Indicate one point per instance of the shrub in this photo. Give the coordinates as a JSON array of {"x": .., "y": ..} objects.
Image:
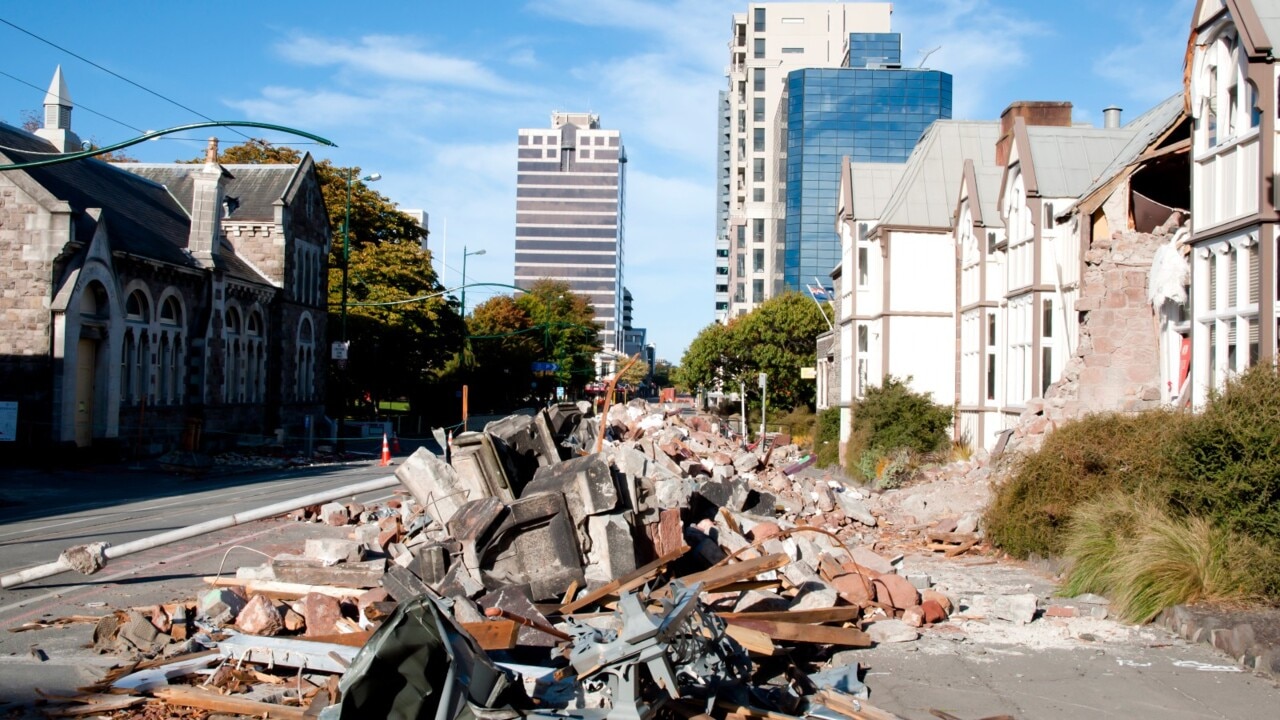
[
  {"x": 826, "y": 441},
  {"x": 1228, "y": 457},
  {"x": 893, "y": 417},
  {"x": 1078, "y": 462},
  {"x": 1145, "y": 559},
  {"x": 800, "y": 423}
]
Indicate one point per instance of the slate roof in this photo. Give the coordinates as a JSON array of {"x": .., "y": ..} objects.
[
  {"x": 926, "y": 194},
  {"x": 256, "y": 187},
  {"x": 143, "y": 218},
  {"x": 873, "y": 184}
]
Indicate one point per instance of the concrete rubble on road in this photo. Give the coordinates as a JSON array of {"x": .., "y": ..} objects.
[{"x": 530, "y": 575}]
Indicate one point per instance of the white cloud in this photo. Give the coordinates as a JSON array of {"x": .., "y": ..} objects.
[
  {"x": 1146, "y": 65},
  {"x": 982, "y": 45},
  {"x": 395, "y": 58}
]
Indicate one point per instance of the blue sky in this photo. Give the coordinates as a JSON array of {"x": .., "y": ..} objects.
[{"x": 430, "y": 93}]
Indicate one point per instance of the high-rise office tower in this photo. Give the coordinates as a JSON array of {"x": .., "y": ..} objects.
[
  {"x": 768, "y": 41},
  {"x": 570, "y": 214},
  {"x": 871, "y": 110}
]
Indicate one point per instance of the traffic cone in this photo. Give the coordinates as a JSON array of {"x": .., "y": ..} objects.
[
  {"x": 386, "y": 452},
  {"x": 395, "y": 444}
]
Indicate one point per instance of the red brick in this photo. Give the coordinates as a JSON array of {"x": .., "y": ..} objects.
[
  {"x": 321, "y": 613},
  {"x": 260, "y": 617}
]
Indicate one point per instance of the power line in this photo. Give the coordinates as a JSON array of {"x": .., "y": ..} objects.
[
  {"x": 82, "y": 107},
  {"x": 52, "y": 44}
]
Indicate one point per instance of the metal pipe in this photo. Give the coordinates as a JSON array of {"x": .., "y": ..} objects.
[{"x": 114, "y": 551}]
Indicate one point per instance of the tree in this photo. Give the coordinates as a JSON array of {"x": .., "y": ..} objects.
[
  {"x": 504, "y": 343},
  {"x": 777, "y": 338},
  {"x": 396, "y": 346},
  {"x": 635, "y": 374},
  {"x": 570, "y": 337},
  {"x": 662, "y": 373}
]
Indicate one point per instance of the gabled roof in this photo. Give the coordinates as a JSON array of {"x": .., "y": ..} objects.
[
  {"x": 1067, "y": 160},
  {"x": 984, "y": 189},
  {"x": 925, "y": 196},
  {"x": 872, "y": 185},
  {"x": 255, "y": 187},
  {"x": 143, "y": 217}
]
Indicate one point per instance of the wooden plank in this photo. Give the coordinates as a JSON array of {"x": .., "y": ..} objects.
[
  {"x": 364, "y": 574},
  {"x": 750, "y": 585},
  {"x": 355, "y": 639},
  {"x": 753, "y": 640},
  {"x": 631, "y": 580},
  {"x": 852, "y": 707},
  {"x": 183, "y": 696},
  {"x": 821, "y": 615},
  {"x": 499, "y": 634},
  {"x": 954, "y": 538},
  {"x": 800, "y": 632},
  {"x": 95, "y": 704},
  {"x": 159, "y": 676},
  {"x": 718, "y": 577},
  {"x": 278, "y": 589}
]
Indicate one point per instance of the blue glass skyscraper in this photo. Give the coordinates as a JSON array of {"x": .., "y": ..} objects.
[{"x": 872, "y": 110}]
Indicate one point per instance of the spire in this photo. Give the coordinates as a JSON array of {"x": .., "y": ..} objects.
[
  {"x": 57, "y": 116},
  {"x": 58, "y": 94}
]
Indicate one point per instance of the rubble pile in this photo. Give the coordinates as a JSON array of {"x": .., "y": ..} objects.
[{"x": 629, "y": 565}]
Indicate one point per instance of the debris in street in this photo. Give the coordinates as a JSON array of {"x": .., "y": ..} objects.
[{"x": 534, "y": 577}]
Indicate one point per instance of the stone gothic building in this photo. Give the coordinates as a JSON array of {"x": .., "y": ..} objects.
[{"x": 149, "y": 307}]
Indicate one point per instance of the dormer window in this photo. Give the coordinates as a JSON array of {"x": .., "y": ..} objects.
[{"x": 229, "y": 206}]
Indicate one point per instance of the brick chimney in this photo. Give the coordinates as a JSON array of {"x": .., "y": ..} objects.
[
  {"x": 206, "y": 207},
  {"x": 1034, "y": 112}
]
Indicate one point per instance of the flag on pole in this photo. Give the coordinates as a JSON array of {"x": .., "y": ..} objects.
[{"x": 819, "y": 293}]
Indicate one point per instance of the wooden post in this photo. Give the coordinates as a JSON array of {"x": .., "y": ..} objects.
[{"x": 464, "y": 408}]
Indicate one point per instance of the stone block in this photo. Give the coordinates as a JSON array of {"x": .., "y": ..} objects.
[
  {"x": 814, "y": 594},
  {"x": 138, "y": 632},
  {"x": 586, "y": 483},
  {"x": 1020, "y": 609},
  {"x": 533, "y": 544},
  {"x": 746, "y": 462},
  {"x": 333, "y": 550},
  {"x": 757, "y": 601},
  {"x": 260, "y": 617},
  {"x": 854, "y": 508},
  {"x": 612, "y": 552},
  {"x": 334, "y": 514},
  {"x": 436, "y": 486},
  {"x": 854, "y": 588},
  {"x": 913, "y": 616},
  {"x": 933, "y": 596},
  {"x": 869, "y": 559},
  {"x": 221, "y": 605},
  {"x": 731, "y": 494},
  {"x": 933, "y": 612},
  {"x": 891, "y": 631},
  {"x": 479, "y": 460},
  {"x": 321, "y": 614},
  {"x": 896, "y": 591}
]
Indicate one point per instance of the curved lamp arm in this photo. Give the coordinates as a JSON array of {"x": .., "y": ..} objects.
[{"x": 68, "y": 157}]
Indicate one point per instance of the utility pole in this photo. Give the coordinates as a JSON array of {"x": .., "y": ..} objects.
[
  {"x": 764, "y": 400},
  {"x": 742, "y": 399}
]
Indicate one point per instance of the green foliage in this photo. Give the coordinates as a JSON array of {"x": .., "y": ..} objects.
[
  {"x": 570, "y": 337},
  {"x": 398, "y": 347},
  {"x": 1079, "y": 461},
  {"x": 1145, "y": 559},
  {"x": 892, "y": 417},
  {"x": 800, "y": 423},
  {"x": 777, "y": 338},
  {"x": 663, "y": 372},
  {"x": 826, "y": 442},
  {"x": 1228, "y": 457}
]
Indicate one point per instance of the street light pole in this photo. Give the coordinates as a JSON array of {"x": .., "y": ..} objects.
[
  {"x": 464, "y": 276},
  {"x": 346, "y": 243}
]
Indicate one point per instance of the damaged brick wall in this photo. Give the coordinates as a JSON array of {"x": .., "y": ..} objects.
[{"x": 1115, "y": 366}]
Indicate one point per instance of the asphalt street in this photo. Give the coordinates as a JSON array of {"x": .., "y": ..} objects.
[{"x": 44, "y": 513}]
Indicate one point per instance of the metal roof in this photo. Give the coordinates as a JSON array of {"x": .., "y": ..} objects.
[
  {"x": 989, "y": 178},
  {"x": 872, "y": 184},
  {"x": 1068, "y": 159},
  {"x": 926, "y": 193}
]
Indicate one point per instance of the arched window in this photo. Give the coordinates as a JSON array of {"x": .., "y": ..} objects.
[
  {"x": 136, "y": 366},
  {"x": 172, "y": 336},
  {"x": 255, "y": 358},
  {"x": 233, "y": 387},
  {"x": 306, "y": 353}
]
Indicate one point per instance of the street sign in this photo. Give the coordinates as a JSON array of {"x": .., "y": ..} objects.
[
  {"x": 763, "y": 381},
  {"x": 339, "y": 349},
  {"x": 544, "y": 366}
]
